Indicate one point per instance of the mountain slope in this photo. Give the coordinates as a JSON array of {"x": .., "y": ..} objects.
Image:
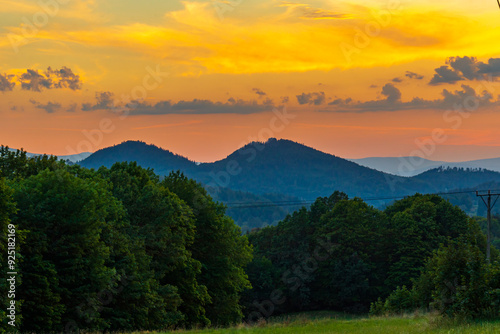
[
  {"x": 402, "y": 166},
  {"x": 289, "y": 168},
  {"x": 148, "y": 156},
  {"x": 71, "y": 157},
  {"x": 411, "y": 166}
]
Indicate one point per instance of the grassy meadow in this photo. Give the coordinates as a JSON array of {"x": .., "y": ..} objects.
[{"x": 325, "y": 322}]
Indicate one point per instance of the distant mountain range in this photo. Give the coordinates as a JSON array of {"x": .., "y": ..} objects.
[
  {"x": 72, "y": 157},
  {"x": 288, "y": 174},
  {"x": 411, "y": 166},
  {"x": 286, "y": 167}
]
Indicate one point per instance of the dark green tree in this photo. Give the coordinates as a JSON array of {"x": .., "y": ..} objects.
[
  {"x": 7, "y": 211},
  {"x": 64, "y": 257},
  {"x": 164, "y": 225},
  {"x": 220, "y": 248}
]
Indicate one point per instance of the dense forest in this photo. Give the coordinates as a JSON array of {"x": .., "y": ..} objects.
[
  {"x": 121, "y": 248},
  {"x": 290, "y": 168},
  {"x": 117, "y": 249},
  {"x": 342, "y": 254},
  {"x": 282, "y": 171}
]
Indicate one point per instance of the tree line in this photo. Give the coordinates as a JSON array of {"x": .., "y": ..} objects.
[
  {"x": 117, "y": 249},
  {"x": 122, "y": 248},
  {"x": 421, "y": 252}
]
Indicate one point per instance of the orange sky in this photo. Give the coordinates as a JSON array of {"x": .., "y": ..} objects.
[{"x": 359, "y": 78}]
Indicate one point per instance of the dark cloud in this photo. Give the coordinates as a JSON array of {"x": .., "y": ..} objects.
[
  {"x": 51, "y": 79},
  {"x": 338, "y": 102},
  {"x": 196, "y": 106},
  {"x": 445, "y": 75},
  {"x": 5, "y": 82},
  {"x": 104, "y": 101},
  {"x": 413, "y": 75},
  {"x": 259, "y": 92},
  {"x": 285, "y": 99},
  {"x": 397, "y": 80},
  {"x": 32, "y": 80},
  {"x": 50, "y": 107},
  {"x": 493, "y": 67},
  {"x": 465, "y": 68},
  {"x": 373, "y": 86},
  {"x": 392, "y": 93},
  {"x": 466, "y": 98},
  {"x": 311, "y": 98},
  {"x": 66, "y": 78}
]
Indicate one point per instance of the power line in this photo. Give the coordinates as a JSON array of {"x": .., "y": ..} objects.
[
  {"x": 489, "y": 206},
  {"x": 262, "y": 204}
]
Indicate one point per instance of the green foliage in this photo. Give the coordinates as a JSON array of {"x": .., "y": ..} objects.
[
  {"x": 426, "y": 220},
  {"x": 63, "y": 257},
  {"x": 371, "y": 253},
  {"x": 166, "y": 227},
  {"x": 7, "y": 211},
  {"x": 400, "y": 300},
  {"x": 16, "y": 164},
  {"x": 461, "y": 282},
  {"x": 116, "y": 249},
  {"x": 220, "y": 248}
]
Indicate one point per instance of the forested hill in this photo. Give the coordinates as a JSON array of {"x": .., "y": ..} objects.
[
  {"x": 148, "y": 156},
  {"x": 286, "y": 167},
  {"x": 291, "y": 168}
]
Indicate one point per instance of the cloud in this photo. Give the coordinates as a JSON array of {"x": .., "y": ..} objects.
[
  {"x": 317, "y": 13},
  {"x": 200, "y": 107},
  {"x": 466, "y": 98},
  {"x": 259, "y": 92},
  {"x": 72, "y": 107},
  {"x": 285, "y": 99},
  {"x": 51, "y": 79},
  {"x": 67, "y": 79},
  {"x": 413, "y": 75},
  {"x": 465, "y": 68},
  {"x": 32, "y": 80},
  {"x": 392, "y": 93},
  {"x": 493, "y": 67},
  {"x": 5, "y": 82},
  {"x": 304, "y": 11},
  {"x": 339, "y": 101},
  {"x": 468, "y": 66},
  {"x": 397, "y": 80},
  {"x": 445, "y": 75},
  {"x": 104, "y": 101},
  {"x": 311, "y": 98},
  {"x": 50, "y": 107}
]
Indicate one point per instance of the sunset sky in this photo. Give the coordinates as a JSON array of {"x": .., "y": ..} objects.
[{"x": 354, "y": 78}]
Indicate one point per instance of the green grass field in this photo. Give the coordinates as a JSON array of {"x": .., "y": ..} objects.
[{"x": 336, "y": 323}]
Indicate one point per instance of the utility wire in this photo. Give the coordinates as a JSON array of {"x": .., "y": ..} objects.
[{"x": 248, "y": 205}]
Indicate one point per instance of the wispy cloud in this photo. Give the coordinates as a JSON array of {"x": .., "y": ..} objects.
[
  {"x": 393, "y": 101},
  {"x": 49, "y": 107},
  {"x": 196, "y": 106}
]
